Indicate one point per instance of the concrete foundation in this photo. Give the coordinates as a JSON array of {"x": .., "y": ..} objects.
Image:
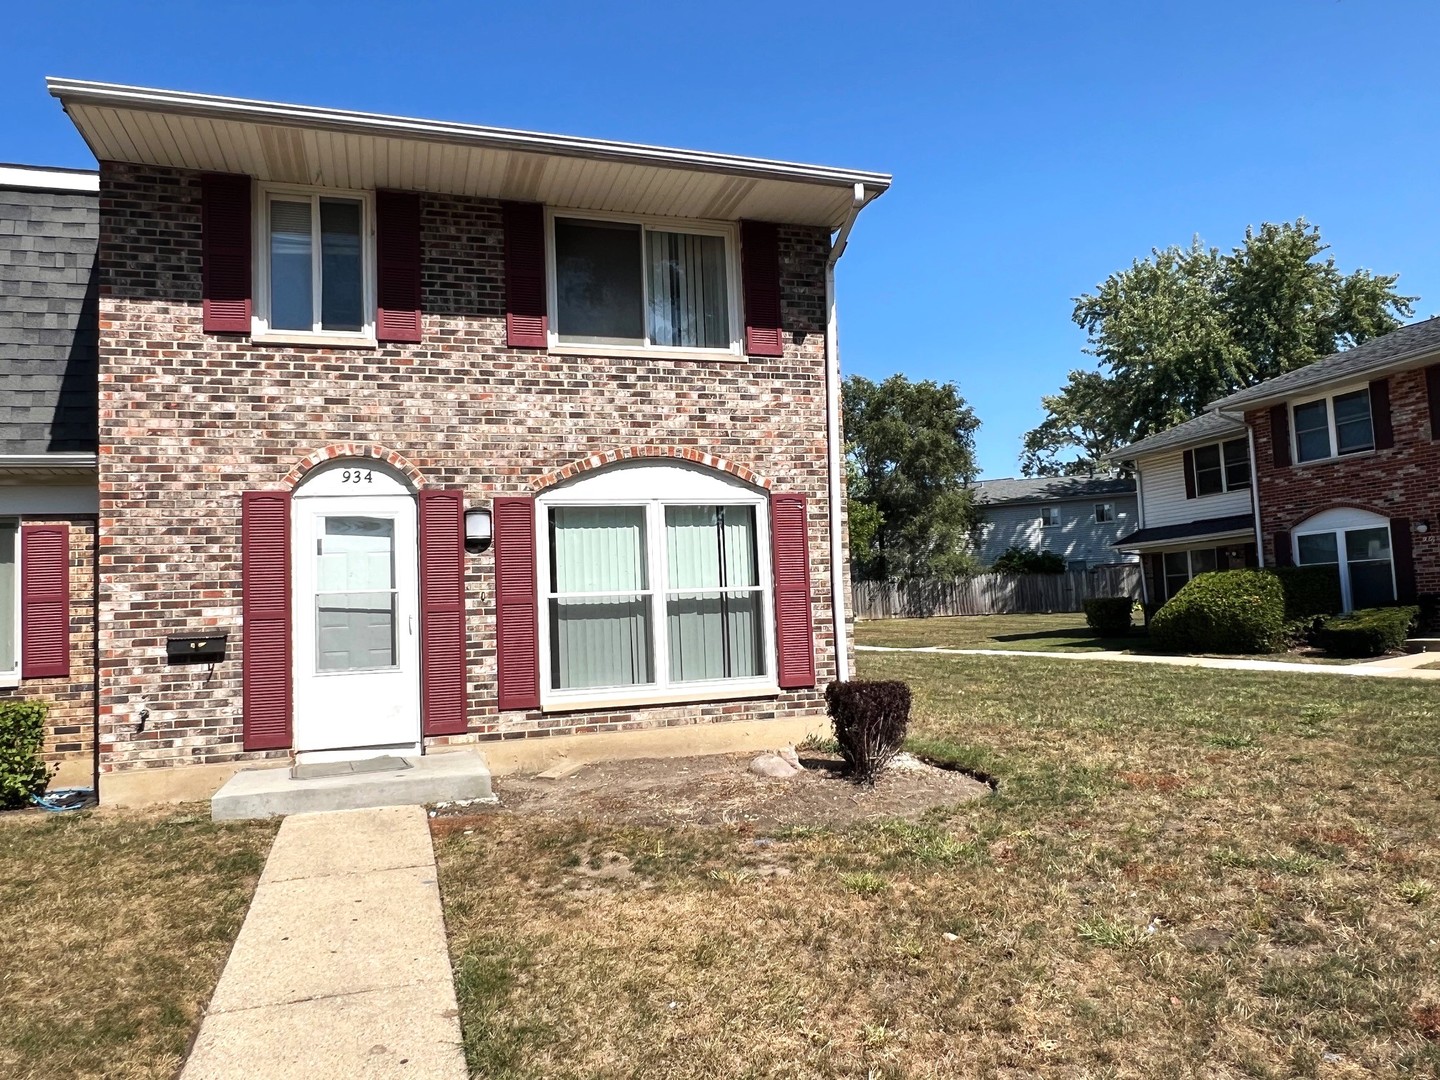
[{"x": 263, "y": 793}]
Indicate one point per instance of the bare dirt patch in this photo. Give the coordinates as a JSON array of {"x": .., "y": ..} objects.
[{"x": 720, "y": 790}]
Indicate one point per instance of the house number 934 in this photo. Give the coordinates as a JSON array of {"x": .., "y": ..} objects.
[{"x": 357, "y": 476}]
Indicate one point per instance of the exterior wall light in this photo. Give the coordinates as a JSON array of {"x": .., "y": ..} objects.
[
  {"x": 1422, "y": 527},
  {"x": 478, "y": 531}
]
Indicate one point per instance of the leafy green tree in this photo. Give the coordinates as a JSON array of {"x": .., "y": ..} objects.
[
  {"x": 911, "y": 450},
  {"x": 1188, "y": 325}
]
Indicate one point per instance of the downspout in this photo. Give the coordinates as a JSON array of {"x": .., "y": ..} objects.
[
  {"x": 1255, "y": 498},
  {"x": 836, "y": 496},
  {"x": 1140, "y": 507}
]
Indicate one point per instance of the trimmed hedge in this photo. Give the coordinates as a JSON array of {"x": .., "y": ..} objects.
[
  {"x": 22, "y": 738},
  {"x": 1310, "y": 591},
  {"x": 1017, "y": 560},
  {"x": 1367, "y": 632},
  {"x": 1229, "y": 611},
  {"x": 871, "y": 718},
  {"x": 1109, "y": 616}
]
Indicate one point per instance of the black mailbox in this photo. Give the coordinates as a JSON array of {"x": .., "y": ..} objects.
[{"x": 196, "y": 650}]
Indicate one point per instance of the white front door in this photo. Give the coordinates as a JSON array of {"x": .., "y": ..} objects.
[{"x": 356, "y": 627}]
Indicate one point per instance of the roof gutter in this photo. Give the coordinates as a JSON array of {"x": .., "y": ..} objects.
[
  {"x": 835, "y": 497},
  {"x": 243, "y": 110},
  {"x": 63, "y": 460}
]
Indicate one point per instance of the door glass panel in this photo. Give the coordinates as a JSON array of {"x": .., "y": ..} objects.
[
  {"x": 355, "y": 594},
  {"x": 1372, "y": 578}
]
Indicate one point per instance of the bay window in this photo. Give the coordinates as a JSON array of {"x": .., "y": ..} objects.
[
  {"x": 314, "y": 269},
  {"x": 642, "y": 285},
  {"x": 1333, "y": 426},
  {"x": 653, "y": 587}
]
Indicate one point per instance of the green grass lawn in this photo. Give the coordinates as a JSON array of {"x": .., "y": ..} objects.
[
  {"x": 1022, "y": 633},
  {"x": 1184, "y": 873},
  {"x": 113, "y": 929}
]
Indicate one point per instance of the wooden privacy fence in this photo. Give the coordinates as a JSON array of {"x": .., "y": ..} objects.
[{"x": 994, "y": 594}]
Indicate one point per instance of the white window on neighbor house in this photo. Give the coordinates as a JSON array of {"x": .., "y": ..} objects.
[
  {"x": 1333, "y": 426},
  {"x": 655, "y": 580},
  {"x": 1357, "y": 545},
  {"x": 1222, "y": 467},
  {"x": 1049, "y": 517},
  {"x": 1104, "y": 512},
  {"x": 314, "y": 274},
  {"x": 9, "y": 602},
  {"x": 643, "y": 285},
  {"x": 1181, "y": 566}
]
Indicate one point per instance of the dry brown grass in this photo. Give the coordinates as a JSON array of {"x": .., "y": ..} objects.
[
  {"x": 1185, "y": 873},
  {"x": 113, "y": 930}
]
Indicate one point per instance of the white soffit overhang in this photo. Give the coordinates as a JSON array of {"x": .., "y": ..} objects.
[{"x": 363, "y": 151}]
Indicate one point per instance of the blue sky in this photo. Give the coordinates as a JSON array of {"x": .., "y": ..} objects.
[{"x": 1036, "y": 147}]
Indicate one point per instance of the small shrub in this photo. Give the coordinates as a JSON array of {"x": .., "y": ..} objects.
[
  {"x": 1232, "y": 611},
  {"x": 1367, "y": 632},
  {"x": 871, "y": 718},
  {"x": 1109, "y": 616},
  {"x": 22, "y": 737},
  {"x": 1017, "y": 560}
]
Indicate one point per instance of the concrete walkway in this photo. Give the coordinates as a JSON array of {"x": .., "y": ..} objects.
[
  {"x": 341, "y": 968},
  {"x": 1394, "y": 667}
]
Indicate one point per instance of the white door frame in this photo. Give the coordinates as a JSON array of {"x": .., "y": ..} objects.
[{"x": 349, "y": 715}]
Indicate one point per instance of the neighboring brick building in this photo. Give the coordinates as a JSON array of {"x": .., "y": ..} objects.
[
  {"x": 48, "y": 298},
  {"x": 1347, "y": 456},
  {"x": 332, "y": 343},
  {"x": 1346, "y": 459}
]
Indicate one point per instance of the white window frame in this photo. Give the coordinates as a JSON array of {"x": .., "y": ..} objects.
[
  {"x": 1329, "y": 399},
  {"x": 1337, "y": 523},
  {"x": 1110, "y": 516},
  {"x": 1225, "y": 486},
  {"x": 1190, "y": 572},
  {"x": 730, "y": 231},
  {"x": 10, "y": 678},
  {"x": 655, "y": 487},
  {"x": 1045, "y": 514},
  {"x": 260, "y": 329}
]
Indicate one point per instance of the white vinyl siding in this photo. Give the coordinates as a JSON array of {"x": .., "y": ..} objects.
[{"x": 1162, "y": 483}]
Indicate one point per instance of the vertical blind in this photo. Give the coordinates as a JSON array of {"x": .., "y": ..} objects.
[
  {"x": 687, "y": 290},
  {"x": 713, "y": 598},
  {"x": 9, "y": 660}
]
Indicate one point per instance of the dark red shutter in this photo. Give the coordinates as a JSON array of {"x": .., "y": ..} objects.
[
  {"x": 265, "y": 585},
  {"x": 1283, "y": 555},
  {"x": 517, "y": 613},
  {"x": 526, "y": 320},
  {"x": 397, "y": 259},
  {"x": 442, "y": 612},
  {"x": 1380, "y": 414},
  {"x": 225, "y": 252},
  {"x": 1280, "y": 435},
  {"x": 1402, "y": 551},
  {"x": 44, "y": 601},
  {"x": 1189, "y": 462},
  {"x": 1432, "y": 387},
  {"x": 794, "y": 631},
  {"x": 760, "y": 286}
]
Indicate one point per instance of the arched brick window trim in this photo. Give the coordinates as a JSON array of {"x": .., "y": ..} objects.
[
  {"x": 1341, "y": 504},
  {"x": 637, "y": 453},
  {"x": 373, "y": 451}
]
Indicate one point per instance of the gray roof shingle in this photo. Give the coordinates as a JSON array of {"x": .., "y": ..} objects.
[
  {"x": 1397, "y": 347},
  {"x": 1186, "y": 530},
  {"x": 1207, "y": 427},
  {"x": 1049, "y": 488}
]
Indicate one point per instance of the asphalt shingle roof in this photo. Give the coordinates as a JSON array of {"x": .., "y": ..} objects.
[
  {"x": 1187, "y": 529},
  {"x": 1050, "y": 488},
  {"x": 1207, "y": 427},
  {"x": 1407, "y": 343}
]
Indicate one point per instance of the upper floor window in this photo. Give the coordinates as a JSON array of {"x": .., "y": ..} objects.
[
  {"x": 1049, "y": 517},
  {"x": 1104, "y": 512},
  {"x": 315, "y": 272},
  {"x": 1333, "y": 426},
  {"x": 1222, "y": 467},
  {"x": 643, "y": 286}
]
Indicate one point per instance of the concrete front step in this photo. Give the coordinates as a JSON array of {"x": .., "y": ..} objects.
[
  {"x": 1422, "y": 644},
  {"x": 263, "y": 793}
]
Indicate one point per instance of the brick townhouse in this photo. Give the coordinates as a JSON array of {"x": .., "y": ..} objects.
[{"x": 415, "y": 433}]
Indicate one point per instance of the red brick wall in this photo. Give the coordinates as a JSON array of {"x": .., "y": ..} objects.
[
  {"x": 70, "y": 725},
  {"x": 1400, "y": 482},
  {"x": 189, "y": 421}
]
